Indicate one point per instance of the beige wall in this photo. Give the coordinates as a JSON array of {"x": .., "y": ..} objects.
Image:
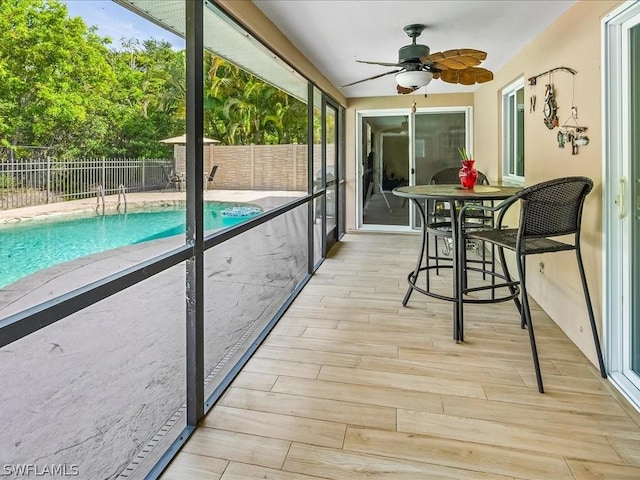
[{"x": 572, "y": 41}]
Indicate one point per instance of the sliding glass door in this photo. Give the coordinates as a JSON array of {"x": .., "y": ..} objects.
[
  {"x": 400, "y": 148},
  {"x": 438, "y": 135},
  {"x": 384, "y": 166},
  {"x": 622, "y": 198},
  {"x": 634, "y": 150},
  {"x": 331, "y": 150}
]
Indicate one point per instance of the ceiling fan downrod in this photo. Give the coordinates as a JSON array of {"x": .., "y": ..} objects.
[{"x": 414, "y": 30}]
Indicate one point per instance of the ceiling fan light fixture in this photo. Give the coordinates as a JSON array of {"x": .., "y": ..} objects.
[{"x": 414, "y": 78}]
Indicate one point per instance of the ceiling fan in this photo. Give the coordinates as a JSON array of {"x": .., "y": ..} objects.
[{"x": 418, "y": 66}]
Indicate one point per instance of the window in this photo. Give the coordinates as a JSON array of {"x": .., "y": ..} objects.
[
  {"x": 513, "y": 132},
  {"x": 231, "y": 308}
]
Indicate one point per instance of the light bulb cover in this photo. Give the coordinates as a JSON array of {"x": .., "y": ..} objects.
[{"x": 413, "y": 78}]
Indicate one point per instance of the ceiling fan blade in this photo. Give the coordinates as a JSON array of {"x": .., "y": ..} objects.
[
  {"x": 467, "y": 76},
  {"x": 456, "y": 59},
  {"x": 449, "y": 76},
  {"x": 405, "y": 90},
  {"x": 384, "y": 64},
  {"x": 459, "y": 63},
  {"x": 438, "y": 67},
  {"x": 483, "y": 75},
  {"x": 466, "y": 52},
  {"x": 374, "y": 77}
]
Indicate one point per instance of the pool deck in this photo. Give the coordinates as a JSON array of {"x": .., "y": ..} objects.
[
  {"x": 62, "y": 399},
  {"x": 136, "y": 200}
]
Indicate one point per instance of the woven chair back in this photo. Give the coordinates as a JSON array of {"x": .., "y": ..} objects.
[{"x": 553, "y": 208}]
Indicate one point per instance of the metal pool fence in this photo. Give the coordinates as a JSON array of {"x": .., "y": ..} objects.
[{"x": 26, "y": 182}]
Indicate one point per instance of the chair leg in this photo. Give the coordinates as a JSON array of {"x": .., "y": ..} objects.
[
  {"x": 512, "y": 289},
  {"x": 493, "y": 256},
  {"x": 464, "y": 265},
  {"x": 493, "y": 270},
  {"x": 529, "y": 323},
  {"x": 427, "y": 260},
  {"x": 523, "y": 317},
  {"x": 416, "y": 271},
  {"x": 484, "y": 259},
  {"x": 437, "y": 254},
  {"x": 592, "y": 320},
  {"x": 460, "y": 259}
]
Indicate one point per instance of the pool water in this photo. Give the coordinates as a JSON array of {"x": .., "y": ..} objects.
[{"x": 34, "y": 245}]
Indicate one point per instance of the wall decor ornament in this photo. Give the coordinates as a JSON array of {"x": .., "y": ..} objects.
[
  {"x": 550, "y": 108},
  {"x": 534, "y": 80},
  {"x": 569, "y": 133},
  {"x": 572, "y": 133}
]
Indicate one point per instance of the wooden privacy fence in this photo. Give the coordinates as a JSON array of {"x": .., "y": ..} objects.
[{"x": 258, "y": 167}]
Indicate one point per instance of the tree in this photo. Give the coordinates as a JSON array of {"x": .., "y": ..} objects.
[
  {"x": 64, "y": 87},
  {"x": 150, "y": 98},
  {"x": 241, "y": 109},
  {"x": 55, "y": 82}
]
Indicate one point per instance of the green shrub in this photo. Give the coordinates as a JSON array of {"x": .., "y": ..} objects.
[{"x": 6, "y": 181}]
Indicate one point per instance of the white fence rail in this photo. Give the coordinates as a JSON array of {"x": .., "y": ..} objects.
[{"x": 28, "y": 182}]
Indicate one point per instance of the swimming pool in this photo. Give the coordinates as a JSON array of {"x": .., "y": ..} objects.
[{"x": 33, "y": 245}]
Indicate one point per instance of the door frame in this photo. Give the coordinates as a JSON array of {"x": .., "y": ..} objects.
[
  {"x": 360, "y": 115},
  {"x": 391, "y": 112},
  {"x": 617, "y": 203},
  {"x": 330, "y": 237}
]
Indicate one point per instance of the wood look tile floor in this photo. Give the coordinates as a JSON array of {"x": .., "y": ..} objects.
[{"x": 351, "y": 385}]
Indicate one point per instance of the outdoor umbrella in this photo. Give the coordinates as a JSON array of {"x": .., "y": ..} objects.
[
  {"x": 182, "y": 140},
  {"x": 179, "y": 151}
]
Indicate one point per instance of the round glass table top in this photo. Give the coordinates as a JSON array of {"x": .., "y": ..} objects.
[{"x": 456, "y": 192}]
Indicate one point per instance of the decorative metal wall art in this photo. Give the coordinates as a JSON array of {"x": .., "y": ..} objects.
[{"x": 570, "y": 132}]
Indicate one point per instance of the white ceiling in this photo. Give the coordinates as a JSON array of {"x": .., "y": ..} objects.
[{"x": 333, "y": 34}]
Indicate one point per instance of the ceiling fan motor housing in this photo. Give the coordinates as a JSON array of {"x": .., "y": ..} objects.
[{"x": 412, "y": 53}]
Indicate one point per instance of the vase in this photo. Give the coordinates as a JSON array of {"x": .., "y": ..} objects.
[{"x": 468, "y": 174}]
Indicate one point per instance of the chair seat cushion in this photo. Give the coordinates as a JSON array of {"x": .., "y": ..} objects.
[{"x": 507, "y": 238}]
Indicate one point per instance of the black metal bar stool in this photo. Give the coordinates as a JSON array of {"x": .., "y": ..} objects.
[
  {"x": 547, "y": 210},
  {"x": 438, "y": 215}
]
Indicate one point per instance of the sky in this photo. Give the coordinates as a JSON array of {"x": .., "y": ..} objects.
[{"x": 117, "y": 22}]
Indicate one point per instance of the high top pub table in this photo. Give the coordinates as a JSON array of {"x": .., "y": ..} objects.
[{"x": 456, "y": 196}]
